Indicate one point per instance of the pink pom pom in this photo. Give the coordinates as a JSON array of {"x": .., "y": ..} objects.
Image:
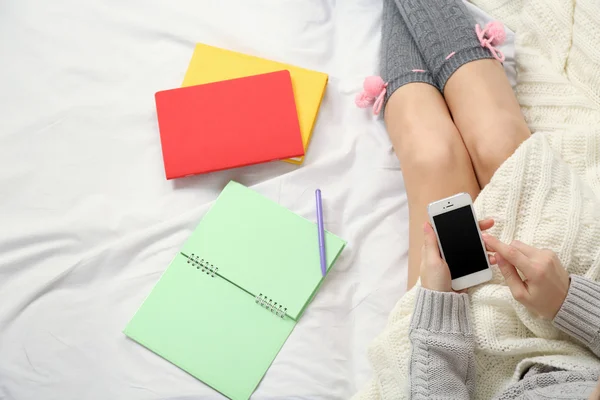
[
  {"x": 495, "y": 31},
  {"x": 363, "y": 100},
  {"x": 373, "y": 85}
]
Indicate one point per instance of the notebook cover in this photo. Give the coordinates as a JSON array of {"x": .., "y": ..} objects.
[
  {"x": 211, "y": 64},
  {"x": 228, "y": 124},
  {"x": 208, "y": 322},
  {"x": 209, "y": 328},
  {"x": 263, "y": 247}
]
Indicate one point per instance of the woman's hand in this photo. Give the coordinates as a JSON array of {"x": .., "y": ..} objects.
[
  {"x": 546, "y": 281},
  {"x": 596, "y": 394},
  {"x": 435, "y": 274}
]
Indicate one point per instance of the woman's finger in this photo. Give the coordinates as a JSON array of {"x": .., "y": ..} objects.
[
  {"x": 524, "y": 248},
  {"x": 512, "y": 278},
  {"x": 486, "y": 224},
  {"x": 431, "y": 251},
  {"x": 492, "y": 259},
  {"x": 509, "y": 253}
]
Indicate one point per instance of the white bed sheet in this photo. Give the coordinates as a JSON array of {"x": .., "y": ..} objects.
[{"x": 88, "y": 222}]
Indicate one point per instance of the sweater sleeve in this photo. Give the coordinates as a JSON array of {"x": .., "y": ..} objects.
[
  {"x": 579, "y": 316},
  {"x": 442, "y": 363}
]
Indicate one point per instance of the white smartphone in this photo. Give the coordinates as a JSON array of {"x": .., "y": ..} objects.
[{"x": 459, "y": 239}]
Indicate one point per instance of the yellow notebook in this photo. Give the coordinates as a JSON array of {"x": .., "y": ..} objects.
[{"x": 211, "y": 64}]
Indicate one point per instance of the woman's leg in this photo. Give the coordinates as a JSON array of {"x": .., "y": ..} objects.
[
  {"x": 433, "y": 157},
  {"x": 477, "y": 92},
  {"x": 434, "y": 160},
  {"x": 487, "y": 114}
]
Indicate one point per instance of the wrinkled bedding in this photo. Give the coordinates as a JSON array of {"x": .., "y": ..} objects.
[{"x": 88, "y": 222}]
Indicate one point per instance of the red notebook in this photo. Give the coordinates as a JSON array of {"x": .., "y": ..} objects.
[{"x": 228, "y": 124}]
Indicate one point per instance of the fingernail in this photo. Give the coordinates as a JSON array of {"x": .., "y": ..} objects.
[{"x": 485, "y": 236}]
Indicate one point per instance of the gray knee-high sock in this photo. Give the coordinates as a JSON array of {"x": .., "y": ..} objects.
[
  {"x": 401, "y": 62},
  {"x": 444, "y": 31}
]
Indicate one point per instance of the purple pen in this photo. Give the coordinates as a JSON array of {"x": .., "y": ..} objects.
[{"x": 321, "y": 232}]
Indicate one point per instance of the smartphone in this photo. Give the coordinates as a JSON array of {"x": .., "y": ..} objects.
[{"x": 459, "y": 239}]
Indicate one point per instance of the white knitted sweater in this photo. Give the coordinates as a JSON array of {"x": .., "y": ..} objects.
[{"x": 546, "y": 194}]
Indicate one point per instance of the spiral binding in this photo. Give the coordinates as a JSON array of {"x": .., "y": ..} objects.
[
  {"x": 269, "y": 304},
  {"x": 202, "y": 265},
  {"x": 277, "y": 309}
]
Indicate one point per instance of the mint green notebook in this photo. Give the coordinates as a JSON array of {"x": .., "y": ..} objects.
[{"x": 232, "y": 295}]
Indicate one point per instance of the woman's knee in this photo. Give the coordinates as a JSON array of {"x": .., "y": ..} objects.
[
  {"x": 431, "y": 153},
  {"x": 497, "y": 140}
]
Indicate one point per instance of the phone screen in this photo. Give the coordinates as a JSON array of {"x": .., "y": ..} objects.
[{"x": 460, "y": 242}]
